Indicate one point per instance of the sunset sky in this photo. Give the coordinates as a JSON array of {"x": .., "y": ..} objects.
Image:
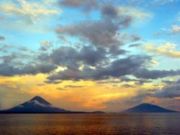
[{"x": 90, "y": 55}]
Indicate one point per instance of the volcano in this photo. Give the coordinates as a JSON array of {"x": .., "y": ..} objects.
[
  {"x": 35, "y": 105},
  {"x": 148, "y": 108}
]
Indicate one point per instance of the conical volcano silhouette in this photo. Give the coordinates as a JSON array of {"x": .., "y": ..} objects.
[{"x": 35, "y": 105}]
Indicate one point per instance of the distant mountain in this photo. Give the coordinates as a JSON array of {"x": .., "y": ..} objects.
[
  {"x": 35, "y": 105},
  {"x": 148, "y": 108}
]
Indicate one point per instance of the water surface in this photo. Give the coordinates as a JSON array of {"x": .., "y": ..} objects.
[{"x": 90, "y": 124}]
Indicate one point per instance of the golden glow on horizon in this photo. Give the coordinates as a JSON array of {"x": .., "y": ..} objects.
[{"x": 76, "y": 95}]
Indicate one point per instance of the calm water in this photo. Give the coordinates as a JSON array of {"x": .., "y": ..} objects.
[{"x": 90, "y": 124}]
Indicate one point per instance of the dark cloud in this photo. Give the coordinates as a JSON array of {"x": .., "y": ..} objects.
[
  {"x": 2, "y": 38},
  {"x": 120, "y": 67},
  {"x": 138, "y": 81},
  {"x": 115, "y": 69},
  {"x": 104, "y": 33},
  {"x": 109, "y": 11},
  {"x": 107, "y": 32},
  {"x": 99, "y": 33},
  {"x": 92, "y": 56},
  {"x": 86, "y": 5},
  {"x": 104, "y": 38},
  {"x": 103, "y": 45},
  {"x": 73, "y": 58},
  {"x": 127, "y": 65},
  {"x": 132, "y": 65},
  {"x": 64, "y": 56},
  {"x": 87, "y": 62},
  {"x": 136, "y": 66},
  {"x": 20, "y": 61},
  {"x": 135, "y": 45},
  {"x": 10, "y": 70},
  {"x": 38, "y": 68},
  {"x": 68, "y": 74},
  {"x": 155, "y": 74},
  {"x": 170, "y": 90}
]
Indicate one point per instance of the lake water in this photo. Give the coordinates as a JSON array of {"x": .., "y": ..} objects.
[{"x": 90, "y": 124}]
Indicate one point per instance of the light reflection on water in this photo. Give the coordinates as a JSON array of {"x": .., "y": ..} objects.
[{"x": 90, "y": 124}]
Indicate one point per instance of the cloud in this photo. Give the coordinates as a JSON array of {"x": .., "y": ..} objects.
[
  {"x": 115, "y": 12},
  {"x": 91, "y": 56},
  {"x": 155, "y": 74},
  {"x": 11, "y": 70},
  {"x": 132, "y": 65},
  {"x": 45, "y": 45},
  {"x": 104, "y": 33},
  {"x": 21, "y": 61},
  {"x": 136, "y": 66},
  {"x": 99, "y": 33},
  {"x": 107, "y": 7},
  {"x": 87, "y": 5},
  {"x": 31, "y": 11},
  {"x": 64, "y": 56},
  {"x": 171, "y": 90},
  {"x": 86, "y": 55},
  {"x": 2, "y": 38},
  {"x": 115, "y": 69},
  {"x": 175, "y": 29},
  {"x": 135, "y": 13},
  {"x": 100, "y": 55},
  {"x": 86, "y": 63},
  {"x": 166, "y": 49},
  {"x": 109, "y": 11}
]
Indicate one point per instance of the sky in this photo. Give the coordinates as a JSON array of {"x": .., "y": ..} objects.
[{"x": 90, "y": 55}]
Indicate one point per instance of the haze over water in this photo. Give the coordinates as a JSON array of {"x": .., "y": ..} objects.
[{"x": 90, "y": 124}]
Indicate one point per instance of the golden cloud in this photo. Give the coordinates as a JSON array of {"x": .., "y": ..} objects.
[
  {"x": 167, "y": 49},
  {"x": 31, "y": 10}
]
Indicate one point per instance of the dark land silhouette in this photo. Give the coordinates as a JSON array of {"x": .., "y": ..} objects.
[
  {"x": 148, "y": 108},
  {"x": 40, "y": 105}
]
